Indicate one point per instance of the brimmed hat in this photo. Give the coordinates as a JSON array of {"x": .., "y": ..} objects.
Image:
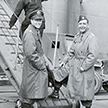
[
  {"x": 37, "y": 14},
  {"x": 82, "y": 17}
]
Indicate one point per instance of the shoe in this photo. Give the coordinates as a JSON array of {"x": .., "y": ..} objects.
[{"x": 54, "y": 94}]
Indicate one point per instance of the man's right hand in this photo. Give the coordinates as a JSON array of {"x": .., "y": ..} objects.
[
  {"x": 12, "y": 21},
  {"x": 10, "y": 25}
]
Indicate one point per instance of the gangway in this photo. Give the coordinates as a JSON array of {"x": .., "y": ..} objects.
[{"x": 8, "y": 57}]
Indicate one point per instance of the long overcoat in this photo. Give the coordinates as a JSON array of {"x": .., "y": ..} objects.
[
  {"x": 84, "y": 53},
  {"x": 34, "y": 77}
]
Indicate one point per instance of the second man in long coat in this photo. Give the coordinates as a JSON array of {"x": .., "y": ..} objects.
[{"x": 83, "y": 54}]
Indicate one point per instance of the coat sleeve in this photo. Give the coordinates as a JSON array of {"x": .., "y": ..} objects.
[
  {"x": 92, "y": 54},
  {"x": 30, "y": 49},
  {"x": 17, "y": 12}
]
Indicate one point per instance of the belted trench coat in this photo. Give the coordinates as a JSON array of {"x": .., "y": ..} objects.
[
  {"x": 34, "y": 77},
  {"x": 84, "y": 53}
]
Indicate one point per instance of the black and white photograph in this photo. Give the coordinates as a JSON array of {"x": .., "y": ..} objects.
[{"x": 53, "y": 54}]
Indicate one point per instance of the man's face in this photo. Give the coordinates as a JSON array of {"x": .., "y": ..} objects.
[
  {"x": 83, "y": 26},
  {"x": 36, "y": 23}
]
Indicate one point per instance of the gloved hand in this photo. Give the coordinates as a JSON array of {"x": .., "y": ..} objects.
[
  {"x": 10, "y": 25},
  {"x": 12, "y": 21}
]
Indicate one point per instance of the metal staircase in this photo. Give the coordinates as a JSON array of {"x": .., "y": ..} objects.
[{"x": 9, "y": 45}]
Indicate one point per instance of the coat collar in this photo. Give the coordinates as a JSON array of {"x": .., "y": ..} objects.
[
  {"x": 31, "y": 27},
  {"x": 86, "y": 34},
  {"x": 34, "y": 30}
]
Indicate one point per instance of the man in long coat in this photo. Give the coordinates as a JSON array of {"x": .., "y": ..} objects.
[
  {"x": 28, "y": 6},
  {"x": 83, "y": 54},
  {"x": 34, "y": 84}
]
